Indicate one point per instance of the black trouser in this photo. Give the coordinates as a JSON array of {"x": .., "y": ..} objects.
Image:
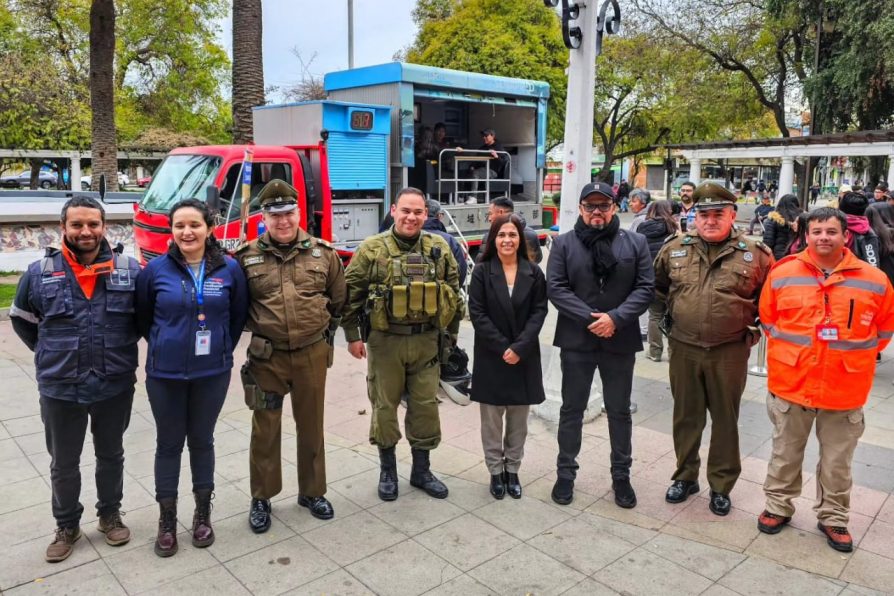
[
  {"x": 616, "y": 373},
  {"x": 185, "y": 411},
  {"x": 65, "y": 427}
]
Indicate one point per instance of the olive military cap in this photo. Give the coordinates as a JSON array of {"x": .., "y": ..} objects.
[
  {"x": 712, "y": 196},
  {"x": 278, "y": 196}
]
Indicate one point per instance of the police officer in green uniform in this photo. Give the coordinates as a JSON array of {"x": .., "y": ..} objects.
[
  {"x": 403, "y": 287},
  {"x": 297, "y": 289},
  {"x": 708, "y": 281}
]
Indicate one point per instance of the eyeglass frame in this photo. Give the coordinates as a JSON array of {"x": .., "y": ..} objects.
[{"x": 602, "y": 207}]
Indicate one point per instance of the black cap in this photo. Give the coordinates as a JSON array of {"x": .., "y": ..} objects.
[
  {"x": 596, "y": 188},
  {"x": 488, "y": 131}
]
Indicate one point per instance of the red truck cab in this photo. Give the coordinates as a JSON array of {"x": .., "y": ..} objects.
[{"x": 188, "y": 172}]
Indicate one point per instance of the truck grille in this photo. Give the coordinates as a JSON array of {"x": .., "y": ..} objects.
[{"x": 148, "y": 254}]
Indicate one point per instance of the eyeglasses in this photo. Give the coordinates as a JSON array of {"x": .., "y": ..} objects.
[{"x": 591, "y": 207}]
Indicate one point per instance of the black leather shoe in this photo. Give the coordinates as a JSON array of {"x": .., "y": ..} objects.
[
  {"x": 259, "y": 516},
  {"x": 497, "y": 488},
  {"x": 680, "y": 490},
  {"x": 319, "y": 507},
  {"x": 421, "y": 476},
  {"x": 513, "y": 486},
  {"x": 563, "y": 491},
  {"x": 624, "y": 495},
  {"x": 719, "y": 503}
]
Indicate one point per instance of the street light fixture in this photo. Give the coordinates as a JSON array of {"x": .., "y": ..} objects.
[{"x": 572, "y": 34}]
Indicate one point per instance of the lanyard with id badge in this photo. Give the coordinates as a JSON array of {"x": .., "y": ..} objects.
[
  {"x": 827, "y": 331},
  {"x": 203, "y": 336}
]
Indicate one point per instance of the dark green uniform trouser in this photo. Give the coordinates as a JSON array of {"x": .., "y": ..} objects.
[
  {"x": 708, "y": 380},
  {"x": 302, "y": 374},
  {"x": 397, "y": 362}
]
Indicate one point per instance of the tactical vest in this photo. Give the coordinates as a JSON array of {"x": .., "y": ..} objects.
[
  {"x": 77, "y": 336},
  {"x": 410, "y": 290}
]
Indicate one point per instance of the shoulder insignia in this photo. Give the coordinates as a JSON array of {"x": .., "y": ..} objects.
[
  {"x": 763, "y": 247},
  {"x": 249, "y": 261},
  {"x": 687, "y": 240},
  {"x": 243, "y": 248},
  {"x": 671, "y": 237},
  {"x": 325, "y": 243}
]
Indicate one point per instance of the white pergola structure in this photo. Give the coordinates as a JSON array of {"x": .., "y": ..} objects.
[{"x": 786, "y": 149}]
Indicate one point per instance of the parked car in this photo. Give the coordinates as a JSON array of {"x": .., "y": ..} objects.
[
  {"x": 144, "y": 181},
  {"x": 123, "y": 181},
  {"x": 23, "y": 180}
]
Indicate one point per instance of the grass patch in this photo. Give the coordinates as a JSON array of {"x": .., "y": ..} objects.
[{"x": 7, "y": 294}]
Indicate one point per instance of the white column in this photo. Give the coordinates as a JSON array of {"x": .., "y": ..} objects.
[
  {"x": 578, "y": 155},
  {"x": 786, "y": 175},
  {"x": 891, "y": 171},
  {"x": 695, "y": 170},
  {"x": 578, "y": 142},
  {"x": 74, "y": 176}
]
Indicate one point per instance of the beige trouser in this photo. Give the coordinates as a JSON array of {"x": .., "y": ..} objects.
[
  {"x": 837, "y": 432},
  {"x": 497, "y": 447}
]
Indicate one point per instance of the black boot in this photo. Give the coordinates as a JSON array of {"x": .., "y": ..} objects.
[
  {"x": 387, "y": 474},
  {"x": 166, "y": 541},
  {"x": 202, "y": 532},
  {"x": 421, "y": 476}
]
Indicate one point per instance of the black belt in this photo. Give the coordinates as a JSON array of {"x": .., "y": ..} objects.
[
  {"x": 409, "y": 329},
  {"x": 285, "y": 347}
]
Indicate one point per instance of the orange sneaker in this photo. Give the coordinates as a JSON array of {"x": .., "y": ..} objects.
[
  {"x": 838, "y": 537},
  {"x": 770, "y": 523}
]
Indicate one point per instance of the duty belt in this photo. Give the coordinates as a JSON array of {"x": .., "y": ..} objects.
[
  {"x": 285, "y": 347},
  {"x": 409, "y": 329}
]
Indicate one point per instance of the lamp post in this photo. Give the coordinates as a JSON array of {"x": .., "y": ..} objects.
[{"x": 582, "y": 31}]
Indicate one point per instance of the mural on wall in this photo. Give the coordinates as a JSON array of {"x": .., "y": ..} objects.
[{"x": 15, "y": 237}]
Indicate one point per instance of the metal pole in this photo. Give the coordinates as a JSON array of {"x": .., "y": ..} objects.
[
  {"x": 760, "y": 367},
  {"x": 350, "y": 33}
]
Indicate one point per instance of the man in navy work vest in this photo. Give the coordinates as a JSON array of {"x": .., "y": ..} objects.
[{"x": 75, "y": 309}]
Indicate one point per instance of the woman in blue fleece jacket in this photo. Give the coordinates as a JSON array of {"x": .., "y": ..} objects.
[{"x": 192, "y": 304}]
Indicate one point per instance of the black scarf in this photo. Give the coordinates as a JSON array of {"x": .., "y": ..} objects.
[{"x": 600, "y": 244}]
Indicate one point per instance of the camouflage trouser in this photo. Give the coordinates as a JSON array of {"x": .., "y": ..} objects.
[{"x": 398, "y": 362}]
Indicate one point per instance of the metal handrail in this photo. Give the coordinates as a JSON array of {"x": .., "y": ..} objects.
[
  {"x": 487, "y": 179},
  {"x": 470, "y": 263}
]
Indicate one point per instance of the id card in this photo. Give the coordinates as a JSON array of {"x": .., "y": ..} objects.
[
  {"x": 827, "y": 332},
  {"x": 203, "y": 343}
]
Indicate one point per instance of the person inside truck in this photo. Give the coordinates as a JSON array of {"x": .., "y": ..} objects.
[{"x": 496, "y": 168}]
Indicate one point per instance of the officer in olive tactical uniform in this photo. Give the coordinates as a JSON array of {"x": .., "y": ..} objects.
[
  {"x": 404, "y": 289},
  {"x": 709, "y": 279},
  {"x": 297, "y": 289}
]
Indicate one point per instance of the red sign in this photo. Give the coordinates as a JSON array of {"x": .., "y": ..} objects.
[{"x": 570, "y": 167}]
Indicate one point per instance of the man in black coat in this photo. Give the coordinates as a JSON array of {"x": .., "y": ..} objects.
[{"x": 600, "y": 279}]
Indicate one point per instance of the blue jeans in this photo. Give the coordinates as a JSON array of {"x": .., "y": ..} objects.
[{"x": 185, "y": 411}]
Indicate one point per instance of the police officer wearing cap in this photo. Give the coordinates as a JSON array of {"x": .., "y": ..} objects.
[
  {"x": 599, "y": 278},
  {"x": 297, "y": 288},
  {"x": 708, "y": 280}
]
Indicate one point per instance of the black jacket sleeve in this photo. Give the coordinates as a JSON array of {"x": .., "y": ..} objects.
[
  {"x": 23, "y": 314},
  {"x": 643, "y": 288},
  {"x": 558, "y": 286},
  {"x": 529, "y": 337}
]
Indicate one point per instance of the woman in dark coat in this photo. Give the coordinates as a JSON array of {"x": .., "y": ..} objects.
[
  {"x": 658, "y": 225},
  {"x": 507, "y": 305},
  {"x": 780, "y": 227}
]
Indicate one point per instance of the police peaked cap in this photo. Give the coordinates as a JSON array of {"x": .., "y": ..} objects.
[
  {"x": 278, "y": 196},
  {"x": 712, "y": 196}
]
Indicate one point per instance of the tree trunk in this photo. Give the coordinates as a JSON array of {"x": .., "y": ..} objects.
[
  {"x": 102, "y": 93},
  {"x": 35, "y": 173},
  {"x": 248, "y": 67}
]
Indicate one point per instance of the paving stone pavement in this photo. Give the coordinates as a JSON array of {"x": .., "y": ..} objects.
[{"x": 468, "y": 544}]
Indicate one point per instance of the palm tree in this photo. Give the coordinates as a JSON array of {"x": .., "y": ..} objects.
[
  {"x": 248, "y": 67},
  {"x": 102, "y": 93}
]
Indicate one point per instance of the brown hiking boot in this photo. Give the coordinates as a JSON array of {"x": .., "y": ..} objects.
[
  {"x": 62, "y": 544},
  {"x": 770, "y": 523},
  {"x": 838, "y": 537},
  {"x": 114, "y": 529}
]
